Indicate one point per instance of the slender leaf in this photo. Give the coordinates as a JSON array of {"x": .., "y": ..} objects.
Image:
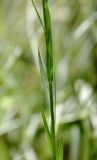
[
  {"x": 42, "y": 72},
  {"x": 46, "y": 128},
  {"x": 54, "y": 95},
  {"x": 48, "y": 37},
  {"x": 37, "y": 14},
  {"x": 60, "y": 151}
]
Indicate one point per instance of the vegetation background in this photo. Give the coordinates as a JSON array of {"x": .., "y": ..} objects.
[{"x": 74, "y": 25}]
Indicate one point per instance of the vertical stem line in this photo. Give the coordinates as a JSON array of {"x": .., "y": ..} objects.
[
  {"x": 52, "y": 120},
  {"x": 50, "y": 73}
]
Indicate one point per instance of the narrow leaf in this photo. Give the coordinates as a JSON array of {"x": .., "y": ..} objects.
[
  {"x": 60, "y": 151},
  {"x": 42, "y": 72},
  {"x": 54, "y": 95},
  {"x": 46, "y": 128},
  {"x": 49, "y": 44},
  {"x": 37, "y": 14}
]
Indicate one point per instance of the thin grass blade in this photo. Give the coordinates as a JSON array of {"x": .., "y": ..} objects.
[
  {"x": 48, "y": 37},
  {"x": 46, "y": 128},
  {"x": 60, "y": 151},
  {"x": 37, "y": 14},
  {"x": 54, "y": 95},
  {"x": 42, "y": 72}
]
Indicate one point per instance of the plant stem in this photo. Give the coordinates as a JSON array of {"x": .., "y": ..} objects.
[
  {"x": 52, "y": 121},
  {"x": 50, "y": 73}
]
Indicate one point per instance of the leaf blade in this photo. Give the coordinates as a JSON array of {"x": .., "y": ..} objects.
[
  {"x": 37, "y": 14},
  {"x": 47, "y": 129},
  {"x": 60, "y": 151},
  {"x": 48, "y": 38},
  {"x": 42, "y": 71}
]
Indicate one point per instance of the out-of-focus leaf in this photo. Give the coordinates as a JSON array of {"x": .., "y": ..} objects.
[
  {"x": 4, "y": 151},
  {"x": 75, "y": 143}
]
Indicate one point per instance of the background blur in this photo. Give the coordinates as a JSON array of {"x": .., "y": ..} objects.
[{"x": 74, "y": 25}]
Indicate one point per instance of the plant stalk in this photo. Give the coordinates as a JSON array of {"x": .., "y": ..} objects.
[{"x": 52, "y": 121}]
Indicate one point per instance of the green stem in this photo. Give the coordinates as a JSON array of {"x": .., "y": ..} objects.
[{"x": 52, "y": 121}]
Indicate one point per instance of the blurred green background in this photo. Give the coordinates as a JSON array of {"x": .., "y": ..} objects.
[{"x": 74, "y": 25}]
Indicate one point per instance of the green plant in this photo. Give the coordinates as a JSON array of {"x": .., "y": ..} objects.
[{"x": 48, "y": 77}]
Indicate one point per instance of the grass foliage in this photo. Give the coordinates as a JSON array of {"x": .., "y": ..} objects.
[
  {"x": 60, "y": 121},
  {"x": 48, "y": 78}
]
